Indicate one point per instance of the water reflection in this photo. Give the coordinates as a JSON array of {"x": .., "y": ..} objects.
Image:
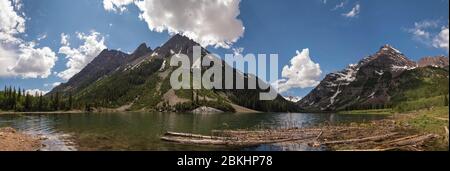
[{"x": 141, "y": 131}]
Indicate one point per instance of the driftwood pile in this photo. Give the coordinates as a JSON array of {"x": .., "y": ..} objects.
[{"x": 333, "y": 138}]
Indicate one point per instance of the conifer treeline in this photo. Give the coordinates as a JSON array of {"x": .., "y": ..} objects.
[{"x": 12, "y": 99}]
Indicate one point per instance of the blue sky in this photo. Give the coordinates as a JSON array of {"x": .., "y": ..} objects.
[{"x": 334, "y": 37}]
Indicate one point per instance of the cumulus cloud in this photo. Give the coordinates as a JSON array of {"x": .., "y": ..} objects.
[
  {"x": 441, "y": 40},
  {"x": 7, "y": 59},
  {"x": 210, "y": 23},
  {"x": 78, "y": 58},
  {"x": 34, "y": 62},
  {"x": 430, "y": 33},
  {"x": 18, "y": 57},
  {"x": 65, "y": 39},
  {"x": 116, "y": 5},
  {"x": 354, "y": 12},
  {"x": 301, "y": 73},
  {"x": 35, "y": 92},
  {"x": 11, "y": 23}
]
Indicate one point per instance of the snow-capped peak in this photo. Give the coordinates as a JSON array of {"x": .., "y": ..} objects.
[{"x": 388, "y": 47}]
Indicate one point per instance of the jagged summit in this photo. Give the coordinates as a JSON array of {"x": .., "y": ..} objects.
[
  {"x": 437, "y": 61},
  {"x": 363, "y": 81},
  {"x": 175, "y": 45},
  {"x": 389, "y": 48},
  {"x": 142, "y": 49},
  {"x": 141, "y": 81}
]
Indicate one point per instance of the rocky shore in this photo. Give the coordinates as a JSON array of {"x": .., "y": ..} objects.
[{"x": 12, "y": 140}]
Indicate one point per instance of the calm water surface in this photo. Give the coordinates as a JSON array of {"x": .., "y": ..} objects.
[{"x": 141, "y": 131}]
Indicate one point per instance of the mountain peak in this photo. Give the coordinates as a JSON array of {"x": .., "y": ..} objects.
[
  {"x": 177, "y": 44},
  {"x": 436, "y": 61},
  {"x": 180, "y": 39},
  {"x": 142, "y": 49},
  {"x": 389, "y": 48}
]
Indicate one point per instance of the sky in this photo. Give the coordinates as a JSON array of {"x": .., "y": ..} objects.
[{"x": 45, "y": 42}]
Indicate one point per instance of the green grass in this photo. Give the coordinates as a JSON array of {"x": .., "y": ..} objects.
[
  {"x": 422, "y": 103},
  {"x": 370, "y": 112},
  {"x": 432, "y": 121}
]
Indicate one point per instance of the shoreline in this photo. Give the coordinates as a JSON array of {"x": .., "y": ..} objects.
[
  {"x": 13, "y": 140},
  {"x": 423, "y": 130},
  {"x": 53, "y": 112},
  {"x": 403, "y": 132}
]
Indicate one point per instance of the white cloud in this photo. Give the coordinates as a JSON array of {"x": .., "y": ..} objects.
[
  {"x": 354, "y": 12},
  {"x": 301, "y": 73},
  {"x": 34, "y": 62},
  {"x": 420, "y": 31},
  {"x": 212, "y": 23},
  {"x": 41, "y": 37},
  {"x": 441, "y": 40},
  {"x": 18, "y": 57},
  {"x": 53, "y": 84},
  {"x": 7, "y": 59},
  {"x": 56, "y": 84},
  {"x": 11, "y": 23},
  {"x": 116, "y": 5},
  {"x": 65, "y": 39},
  {"x": 429, "y": 33},
  {"x": 79, "y": 57},
  {"x": 34, "y": 92},
  {"x": 338, "y": 6}
]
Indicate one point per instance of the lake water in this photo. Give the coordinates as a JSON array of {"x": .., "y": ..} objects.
[{"x": 142, "y": 131}]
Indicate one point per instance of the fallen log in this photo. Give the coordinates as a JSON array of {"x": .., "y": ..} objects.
[
  {"x": 358, "y": 140},
  {"x": 177, "y": 134},
  {"x": 370, "y": 150},
  {"x": 412, "y": 141},
  {"x": 196, "y": 139},
  {"x": 402, "y": 139},
  {"x": 193, "y": 140}
]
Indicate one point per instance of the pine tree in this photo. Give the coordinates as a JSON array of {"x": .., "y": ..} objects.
[
  {"x": 55, "y": 101},
  {"x": 40, "y": 102},
  {"x": 70, "y": 101},
  {"x": 27, "y": 104},
  {"x": 19, "y": 94},
  {"x": 14, "y": 98}
]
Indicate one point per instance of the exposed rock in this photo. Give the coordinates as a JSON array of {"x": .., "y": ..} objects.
[
  {"x": 438, "y": 61},
  {"x": 364, "y": 83},
  {"x": 11, "y": 140},
  {"x": 206, "y": 110}
]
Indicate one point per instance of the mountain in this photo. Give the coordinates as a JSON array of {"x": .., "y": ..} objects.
[
  {"x": 438, "y": 61},
  {"x": 141, "y": 81},
  {"x": 379, "y": 80},
  {"x": 104, "y": 64}
]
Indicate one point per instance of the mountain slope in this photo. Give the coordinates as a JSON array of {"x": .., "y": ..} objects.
[
  {"x": 104, "y": 64},
  {"x": 376, "y": 81},
  {"x": 142, "y": 82},
  {"x": 437, "y": 61}
]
